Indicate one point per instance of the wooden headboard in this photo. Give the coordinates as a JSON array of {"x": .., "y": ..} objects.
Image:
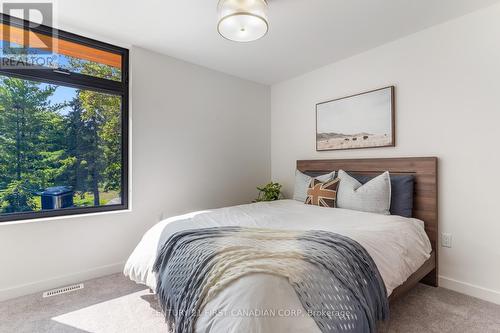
[{"x": 425, "y": 205}]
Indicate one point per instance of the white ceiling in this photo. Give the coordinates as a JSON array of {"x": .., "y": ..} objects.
[{"x": 304, "y": 34}]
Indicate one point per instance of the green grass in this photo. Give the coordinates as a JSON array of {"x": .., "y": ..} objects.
[{"x": 87, "y": 200}]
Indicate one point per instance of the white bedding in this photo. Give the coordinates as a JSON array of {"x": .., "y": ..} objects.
[{"x": 398, "y": 245}]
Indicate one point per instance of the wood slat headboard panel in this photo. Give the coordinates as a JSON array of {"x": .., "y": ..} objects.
[{"x": 425, "y": 170}]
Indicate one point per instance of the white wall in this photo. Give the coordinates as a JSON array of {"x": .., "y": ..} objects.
[
  {"x": 447, "y": 82},
  {"x": 200, "y": 139}
]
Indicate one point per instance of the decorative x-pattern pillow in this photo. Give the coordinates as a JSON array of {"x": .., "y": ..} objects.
[{"x": 323, "y": 194}]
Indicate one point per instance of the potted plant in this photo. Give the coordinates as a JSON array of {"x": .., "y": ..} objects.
[{"x": 269, "y": 192}]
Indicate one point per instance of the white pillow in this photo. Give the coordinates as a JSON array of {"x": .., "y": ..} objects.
[
  {"x": 374, "y": 196},
  {"x": 302, "y": 182}
]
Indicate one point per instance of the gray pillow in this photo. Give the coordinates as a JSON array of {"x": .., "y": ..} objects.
[
  {"x": 373, "y": 197},
  {"x": 401, "y": 193},
  {"x": 302, "y": 182}
]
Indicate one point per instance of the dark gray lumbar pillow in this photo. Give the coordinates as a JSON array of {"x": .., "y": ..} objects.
[
  {"x": 373, "y": 197},
  {"x": 302, "y": 182}
]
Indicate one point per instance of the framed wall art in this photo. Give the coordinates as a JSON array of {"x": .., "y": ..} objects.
[{"x": 364, "y": 120}]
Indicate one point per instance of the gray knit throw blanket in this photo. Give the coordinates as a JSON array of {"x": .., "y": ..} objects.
[{"x": 334, "y": 277}]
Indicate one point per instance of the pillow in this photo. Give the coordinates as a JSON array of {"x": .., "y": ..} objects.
[
  {"x": 323, "y": 194},
  {"x": 402, "y": 189},
  {"x": 373, "y": 197},
  {"x": 302, "y": 182}
]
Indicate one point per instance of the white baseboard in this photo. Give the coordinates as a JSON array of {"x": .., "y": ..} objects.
[
  {"x": 486, "y": 294},
  {"x": 39, "y": 286}
]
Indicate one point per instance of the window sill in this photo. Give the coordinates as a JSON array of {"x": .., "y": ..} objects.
[{"x": 66, "y": 217}]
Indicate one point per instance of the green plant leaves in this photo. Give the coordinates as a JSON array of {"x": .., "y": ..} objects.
[{"x": 270, "y": 192}]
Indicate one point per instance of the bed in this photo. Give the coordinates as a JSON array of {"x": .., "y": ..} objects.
[{"x": 403, "y": 249}]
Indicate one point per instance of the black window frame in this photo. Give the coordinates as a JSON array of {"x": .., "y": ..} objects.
[{"x": 79, "y": 81}]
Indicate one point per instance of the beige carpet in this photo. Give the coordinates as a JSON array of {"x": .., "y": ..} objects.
[{"x": 114, "y": 304}]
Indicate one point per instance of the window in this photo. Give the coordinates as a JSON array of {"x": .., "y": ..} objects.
[{"x": 63, "y": 123}]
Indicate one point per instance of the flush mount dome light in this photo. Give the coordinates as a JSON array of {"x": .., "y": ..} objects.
[{"x": 242, "y": 20}]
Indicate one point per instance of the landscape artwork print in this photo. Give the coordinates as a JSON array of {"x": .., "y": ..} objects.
[{"x": 361, "y": 121}]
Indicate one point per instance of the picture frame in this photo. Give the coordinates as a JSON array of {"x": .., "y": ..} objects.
[{"x": 364, "y": 120}]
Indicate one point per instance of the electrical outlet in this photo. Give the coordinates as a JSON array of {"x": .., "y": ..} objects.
[{"x": 446, "y": 240}]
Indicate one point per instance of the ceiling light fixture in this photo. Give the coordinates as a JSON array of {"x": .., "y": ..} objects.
[{"x": 242, "y": 20}]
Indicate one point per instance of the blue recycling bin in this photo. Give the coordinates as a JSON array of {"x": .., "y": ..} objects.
[{"x": 57, "y": 197}]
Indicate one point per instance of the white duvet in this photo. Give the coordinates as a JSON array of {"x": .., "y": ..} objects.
[{"x": 267, "y": 303}]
